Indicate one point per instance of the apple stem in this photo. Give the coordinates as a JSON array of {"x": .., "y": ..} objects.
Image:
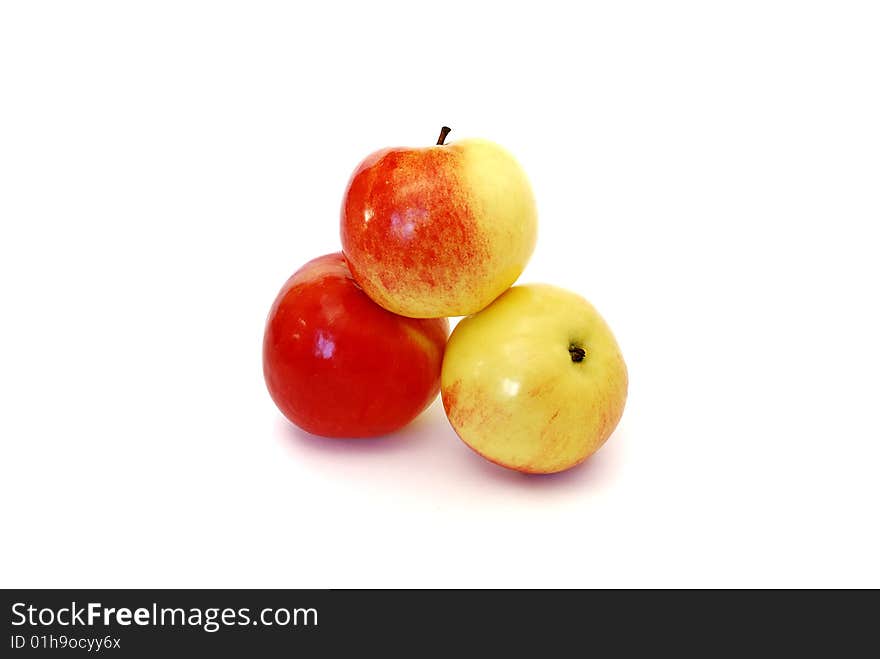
[
  {"x": 443, "y": 133},
  {"x": 577, "y": 353}
]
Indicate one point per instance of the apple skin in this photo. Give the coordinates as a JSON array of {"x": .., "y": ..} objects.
[
  {"x": 438, "y": 231},
  {"x": 338, "y": 365},
  {"x": 514, "y": 390}
]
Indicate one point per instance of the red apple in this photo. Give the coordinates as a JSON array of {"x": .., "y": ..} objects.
[
  {"x": 438, "y": 231},
  {"x": 339, "y": 365}
]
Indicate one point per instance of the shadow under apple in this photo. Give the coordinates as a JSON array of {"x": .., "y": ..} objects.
[{"x": 428, "y": 453}]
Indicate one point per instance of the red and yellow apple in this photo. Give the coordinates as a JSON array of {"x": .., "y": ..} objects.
[
  {"x": 339, "y": 365},
  {"x": 438, "y": 231},
  {"x": 536, "y": 381}
]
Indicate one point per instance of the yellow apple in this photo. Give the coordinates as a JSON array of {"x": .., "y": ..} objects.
[
  {"x": 535, "y": 381},
  {"x": 440, "y": 230}
]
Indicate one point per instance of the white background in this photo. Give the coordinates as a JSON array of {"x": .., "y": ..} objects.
[{"x": 706, "y": 173}]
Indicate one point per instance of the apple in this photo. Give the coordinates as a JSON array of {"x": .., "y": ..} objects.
[
  {"x": 438, "y": 231},
  {"x": 339, "y": 365},
  {"x": 535, "y": 382}
]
